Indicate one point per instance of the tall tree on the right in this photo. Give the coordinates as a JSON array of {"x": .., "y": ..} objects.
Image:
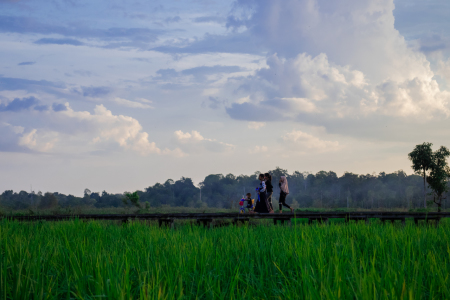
[
  {"x": 422, "y": 159},
  {"x": 439, "y": 175}
]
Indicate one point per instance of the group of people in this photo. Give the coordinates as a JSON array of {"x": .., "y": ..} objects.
[{"x": 265, "y": 192}]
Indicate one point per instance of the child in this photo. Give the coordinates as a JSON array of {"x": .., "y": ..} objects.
[
  {"x": 249, "y": 202},
  {"x": 242, "y": 209}
]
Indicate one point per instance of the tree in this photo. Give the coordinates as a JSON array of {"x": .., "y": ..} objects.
[
  {"x": 132, "y": 198},
  {"x": 48, "y": 201},
  {"x": 277, "y": 173},
  {"x": 87, "y": 199},
  {"x": 87, "y": 192},
  {"x": 422, "y": 158},
  {"x": 438, "y": 178}
]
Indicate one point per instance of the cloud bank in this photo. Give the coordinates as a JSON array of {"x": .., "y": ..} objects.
[{"x": 334, "y": 64}]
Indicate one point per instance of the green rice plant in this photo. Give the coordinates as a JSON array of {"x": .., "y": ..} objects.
[{"x": 103, "y": 260}]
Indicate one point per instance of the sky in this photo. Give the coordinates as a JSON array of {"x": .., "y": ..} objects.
[{"x": 118, "y": 95}]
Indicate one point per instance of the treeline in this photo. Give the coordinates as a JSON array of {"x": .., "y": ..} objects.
[{"x": 320, "y": 190}]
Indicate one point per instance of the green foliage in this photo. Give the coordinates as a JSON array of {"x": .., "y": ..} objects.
[
  {"x": 48, "y": 201},
  {"x": 440, "y": 172},
  {"x": 422, "y": 159},
  {"x": 131, "y": 198},
  {"x": 323, "y": 190},
  {"x": 90, "y": 260}
]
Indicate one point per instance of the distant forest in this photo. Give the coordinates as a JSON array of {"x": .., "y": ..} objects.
[{"x": 320, "y": 190}]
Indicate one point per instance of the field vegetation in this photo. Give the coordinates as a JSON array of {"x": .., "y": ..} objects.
[{"x": 105, "y": 260}]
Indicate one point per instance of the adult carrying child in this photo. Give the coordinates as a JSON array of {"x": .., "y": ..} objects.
[{"x": 262, "y": 205}]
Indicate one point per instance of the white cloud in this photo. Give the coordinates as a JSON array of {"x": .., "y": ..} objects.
[
  {"x": 9, "y": 137},
  {"x": 194, "y": 136},
  {"x": 358, "y": 33},
  {"x": 16, "y": 138},
  {"x": 15, "y": 129},
  {"x": 38, "y": 141},
  {"x": 256, "y": 125},
  {"x": 313, "y": 77},
  {"x": 412, "y": 98},
  {"x": 335, "y": 66},
  {"x": 243, "y": 100},
  {"x": 104, "y": 126},
  {"x": 193, "y": 142},
  {"x": 133, "y": 104},
  {"x": 301, "y": 104},
  {"x": 337, "y": 90},
  {"x": 313, "y": 88},
  {"x": 177, "y": 152},
  {"x": 143, "y": 100},
  {"x": 444, "y": 70},
  {"x": 302, "y": 142},
  {"x": 258, "y": 149},
  {"x": 71, "y": 131}
]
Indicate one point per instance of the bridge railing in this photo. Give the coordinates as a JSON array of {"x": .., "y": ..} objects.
[{"x": 208, "y": 218}]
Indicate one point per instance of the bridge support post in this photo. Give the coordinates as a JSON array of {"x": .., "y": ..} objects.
[
  {"x": 318, "y": 219},
  {"x": 166, "y": 222},
  {"x": 242, "y": 220},
  {"x": 426, "y": 219},
  {"x": 393, "y": 219},
  {"x": 206, "y": 222},
  {"x": 356, "y": 219},
  {"x": 282, "y": 220}
]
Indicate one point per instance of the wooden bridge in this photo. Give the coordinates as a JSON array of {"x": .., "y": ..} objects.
[{"x": 210, "y": 219}]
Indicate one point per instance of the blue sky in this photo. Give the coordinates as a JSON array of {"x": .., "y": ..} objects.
[{"x": 117, "y": 95}]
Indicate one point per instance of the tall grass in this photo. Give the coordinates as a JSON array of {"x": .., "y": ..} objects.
[{"x": 91, "y": 260}]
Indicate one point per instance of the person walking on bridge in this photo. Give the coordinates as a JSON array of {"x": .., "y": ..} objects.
[
  {"x": 262, "y": 205},
  {"x": 269, "y": 187},
  {"x": 284, "y": 191}
]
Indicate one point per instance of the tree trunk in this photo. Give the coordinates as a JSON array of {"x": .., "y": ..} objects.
[
  {"x": 424, "y": 189},
  {"x": 321, "y": 204},
  {"x": 348, "y": 192},
  {"x": 439, "y": 202}
]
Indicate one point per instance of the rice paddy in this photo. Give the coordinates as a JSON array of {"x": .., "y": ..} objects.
[{"x": 104, "y": 260}]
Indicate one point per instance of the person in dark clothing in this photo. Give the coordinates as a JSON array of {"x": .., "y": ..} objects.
[
  {"x": 269, "y": 187},
  {"x": 262, "y": 206},
  {"x": 284, "y": 191},
  {"x": 249, "y": 202}
]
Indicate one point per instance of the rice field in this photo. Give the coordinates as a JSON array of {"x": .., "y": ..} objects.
[{"x": 104, "y": 260}]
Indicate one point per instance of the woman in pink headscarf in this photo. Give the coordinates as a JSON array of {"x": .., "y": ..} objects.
[{"x": 284, "y": 191}]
